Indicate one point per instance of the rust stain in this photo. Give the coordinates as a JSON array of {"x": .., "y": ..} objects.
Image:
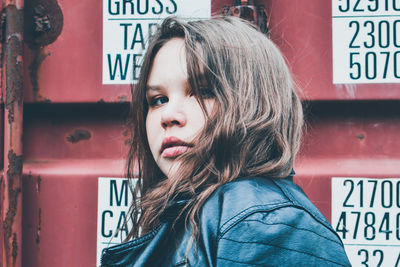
[
  {"x": 9, "y": 219},
  {"x": 78, "y": 135},
  {"x": 14, "y": 164},
  {"x": 14, "y": 172},
  {"x": 38, "y": 57},
  {"x": 2, "y": 24},
  {"x": 361, "y": 136},
  {"x": 38, "y": 183},
  {"x": 13, "y": 103},
  {"x": 39, "y": 227},
  {"x": 14, "y": 247},
  {"x": 43, "y": 23},
  {"x": 101, "y": 100},
  {"x": 13, "y": 60},
  {"x": 2, "y": 49},
  {"x": 7, "y": 226}
]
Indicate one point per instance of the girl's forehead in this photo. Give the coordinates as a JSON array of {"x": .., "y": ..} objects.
[{"x": 169, "y": 65}]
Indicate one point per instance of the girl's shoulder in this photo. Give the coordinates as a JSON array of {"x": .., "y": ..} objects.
[
  {"x": 243, "y": 197},
  {"x": 270, "y": 217}
]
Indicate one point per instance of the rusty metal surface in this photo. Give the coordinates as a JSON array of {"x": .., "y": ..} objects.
[
  {"x": 67, "y": 68},
  {"x": 13, "y": 211},
  {"x": 43, "y": 23},
  {"x": 59, "y": 227},
  {"x": 2, "y": 77},
  {"x": 60, "y": 185},
  {"x": 74, "y": 132},
  {"x": 12, "y": 204},
  {"x": 14, "y": 54}
]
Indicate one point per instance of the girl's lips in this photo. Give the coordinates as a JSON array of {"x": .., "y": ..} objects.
[
  {"x": 174, "y": 151},
  {"x": 172, "y": 147}
]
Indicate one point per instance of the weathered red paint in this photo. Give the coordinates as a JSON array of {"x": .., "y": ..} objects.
[
  {"x": 347, "y": 139},
  {"x": 304, "y": 34},
  {"x": 2, "y": 78},
  {"x": 60, "y": 185},
  {"x": 46, "y": 76},
  {"x": 45, "y": 68},
  {"x": 12, "y": 204}
]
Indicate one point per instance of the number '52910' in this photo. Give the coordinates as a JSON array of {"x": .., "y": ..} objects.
[{"x": 371, "y": 5}]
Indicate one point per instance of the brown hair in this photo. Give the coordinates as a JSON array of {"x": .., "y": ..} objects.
[{"x": 254, "y": 130}]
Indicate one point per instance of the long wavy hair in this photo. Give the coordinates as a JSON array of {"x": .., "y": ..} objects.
[{"x": 254, "y": 129}]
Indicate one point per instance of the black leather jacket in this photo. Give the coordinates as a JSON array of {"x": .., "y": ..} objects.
[{"x": 248, "y": 222}]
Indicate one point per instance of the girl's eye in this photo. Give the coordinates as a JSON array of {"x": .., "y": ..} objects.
[{"x": 157, "y": 101}]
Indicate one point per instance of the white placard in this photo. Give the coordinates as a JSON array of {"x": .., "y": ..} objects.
[
  {"x": 366, "y": 41},
  {"x": 366, "y": 215},
  {"x": 114, "y": 199},
  {"x": 127, "y": 26}
]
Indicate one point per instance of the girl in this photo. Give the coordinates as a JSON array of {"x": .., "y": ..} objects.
[{"x": 216, "y": 126}]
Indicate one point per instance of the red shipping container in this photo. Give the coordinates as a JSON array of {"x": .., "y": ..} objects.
[{"x": 74, "y": 123}]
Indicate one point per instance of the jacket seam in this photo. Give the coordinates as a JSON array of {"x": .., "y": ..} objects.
[
  {"x": 134, "y": 243},
  {"x": 295, "y": 203},
  {"x": 247, "y": 212},
  {"x": 244, "y": 263},
  {"x": 271, "y": 245},
  {"x": 303, "y": 229},
  {"x": 292, "y": 199}
]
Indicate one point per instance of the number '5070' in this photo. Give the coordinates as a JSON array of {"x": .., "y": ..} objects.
[{"x": 366, "y": 65}]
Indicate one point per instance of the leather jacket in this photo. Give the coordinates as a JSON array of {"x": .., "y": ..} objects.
[{"x": 248, "y": 222}]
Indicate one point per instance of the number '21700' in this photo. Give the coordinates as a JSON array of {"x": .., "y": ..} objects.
[{"x": 387, "y": 191}]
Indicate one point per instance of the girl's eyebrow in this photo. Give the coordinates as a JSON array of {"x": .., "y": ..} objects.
[{"x": 155, "y": 88}]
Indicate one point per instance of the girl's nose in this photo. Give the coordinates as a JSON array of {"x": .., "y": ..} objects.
[{"x": 173, "y": 115}]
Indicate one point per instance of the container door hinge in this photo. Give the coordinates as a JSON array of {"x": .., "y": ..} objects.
[
  {"x": 250, "y": 11},
  {"x": 43, "y": 22}
]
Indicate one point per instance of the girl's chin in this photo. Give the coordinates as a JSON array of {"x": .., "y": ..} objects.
[{"x": 170, "y": 168}]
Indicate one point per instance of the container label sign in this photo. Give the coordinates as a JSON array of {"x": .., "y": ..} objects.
[
  {"x": 366, "y": 215},
  {"x": 366, "y": 41},
  {"x": 127, "y": 26},
  {"x": 114, "y": 199}
]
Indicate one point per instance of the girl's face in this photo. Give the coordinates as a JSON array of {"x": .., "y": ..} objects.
[{"x": 174, "y": 116}]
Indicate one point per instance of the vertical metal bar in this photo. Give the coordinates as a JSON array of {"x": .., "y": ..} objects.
[
  {"x": 2, "y": 75},
  {"x": 12, "y": 205}
]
